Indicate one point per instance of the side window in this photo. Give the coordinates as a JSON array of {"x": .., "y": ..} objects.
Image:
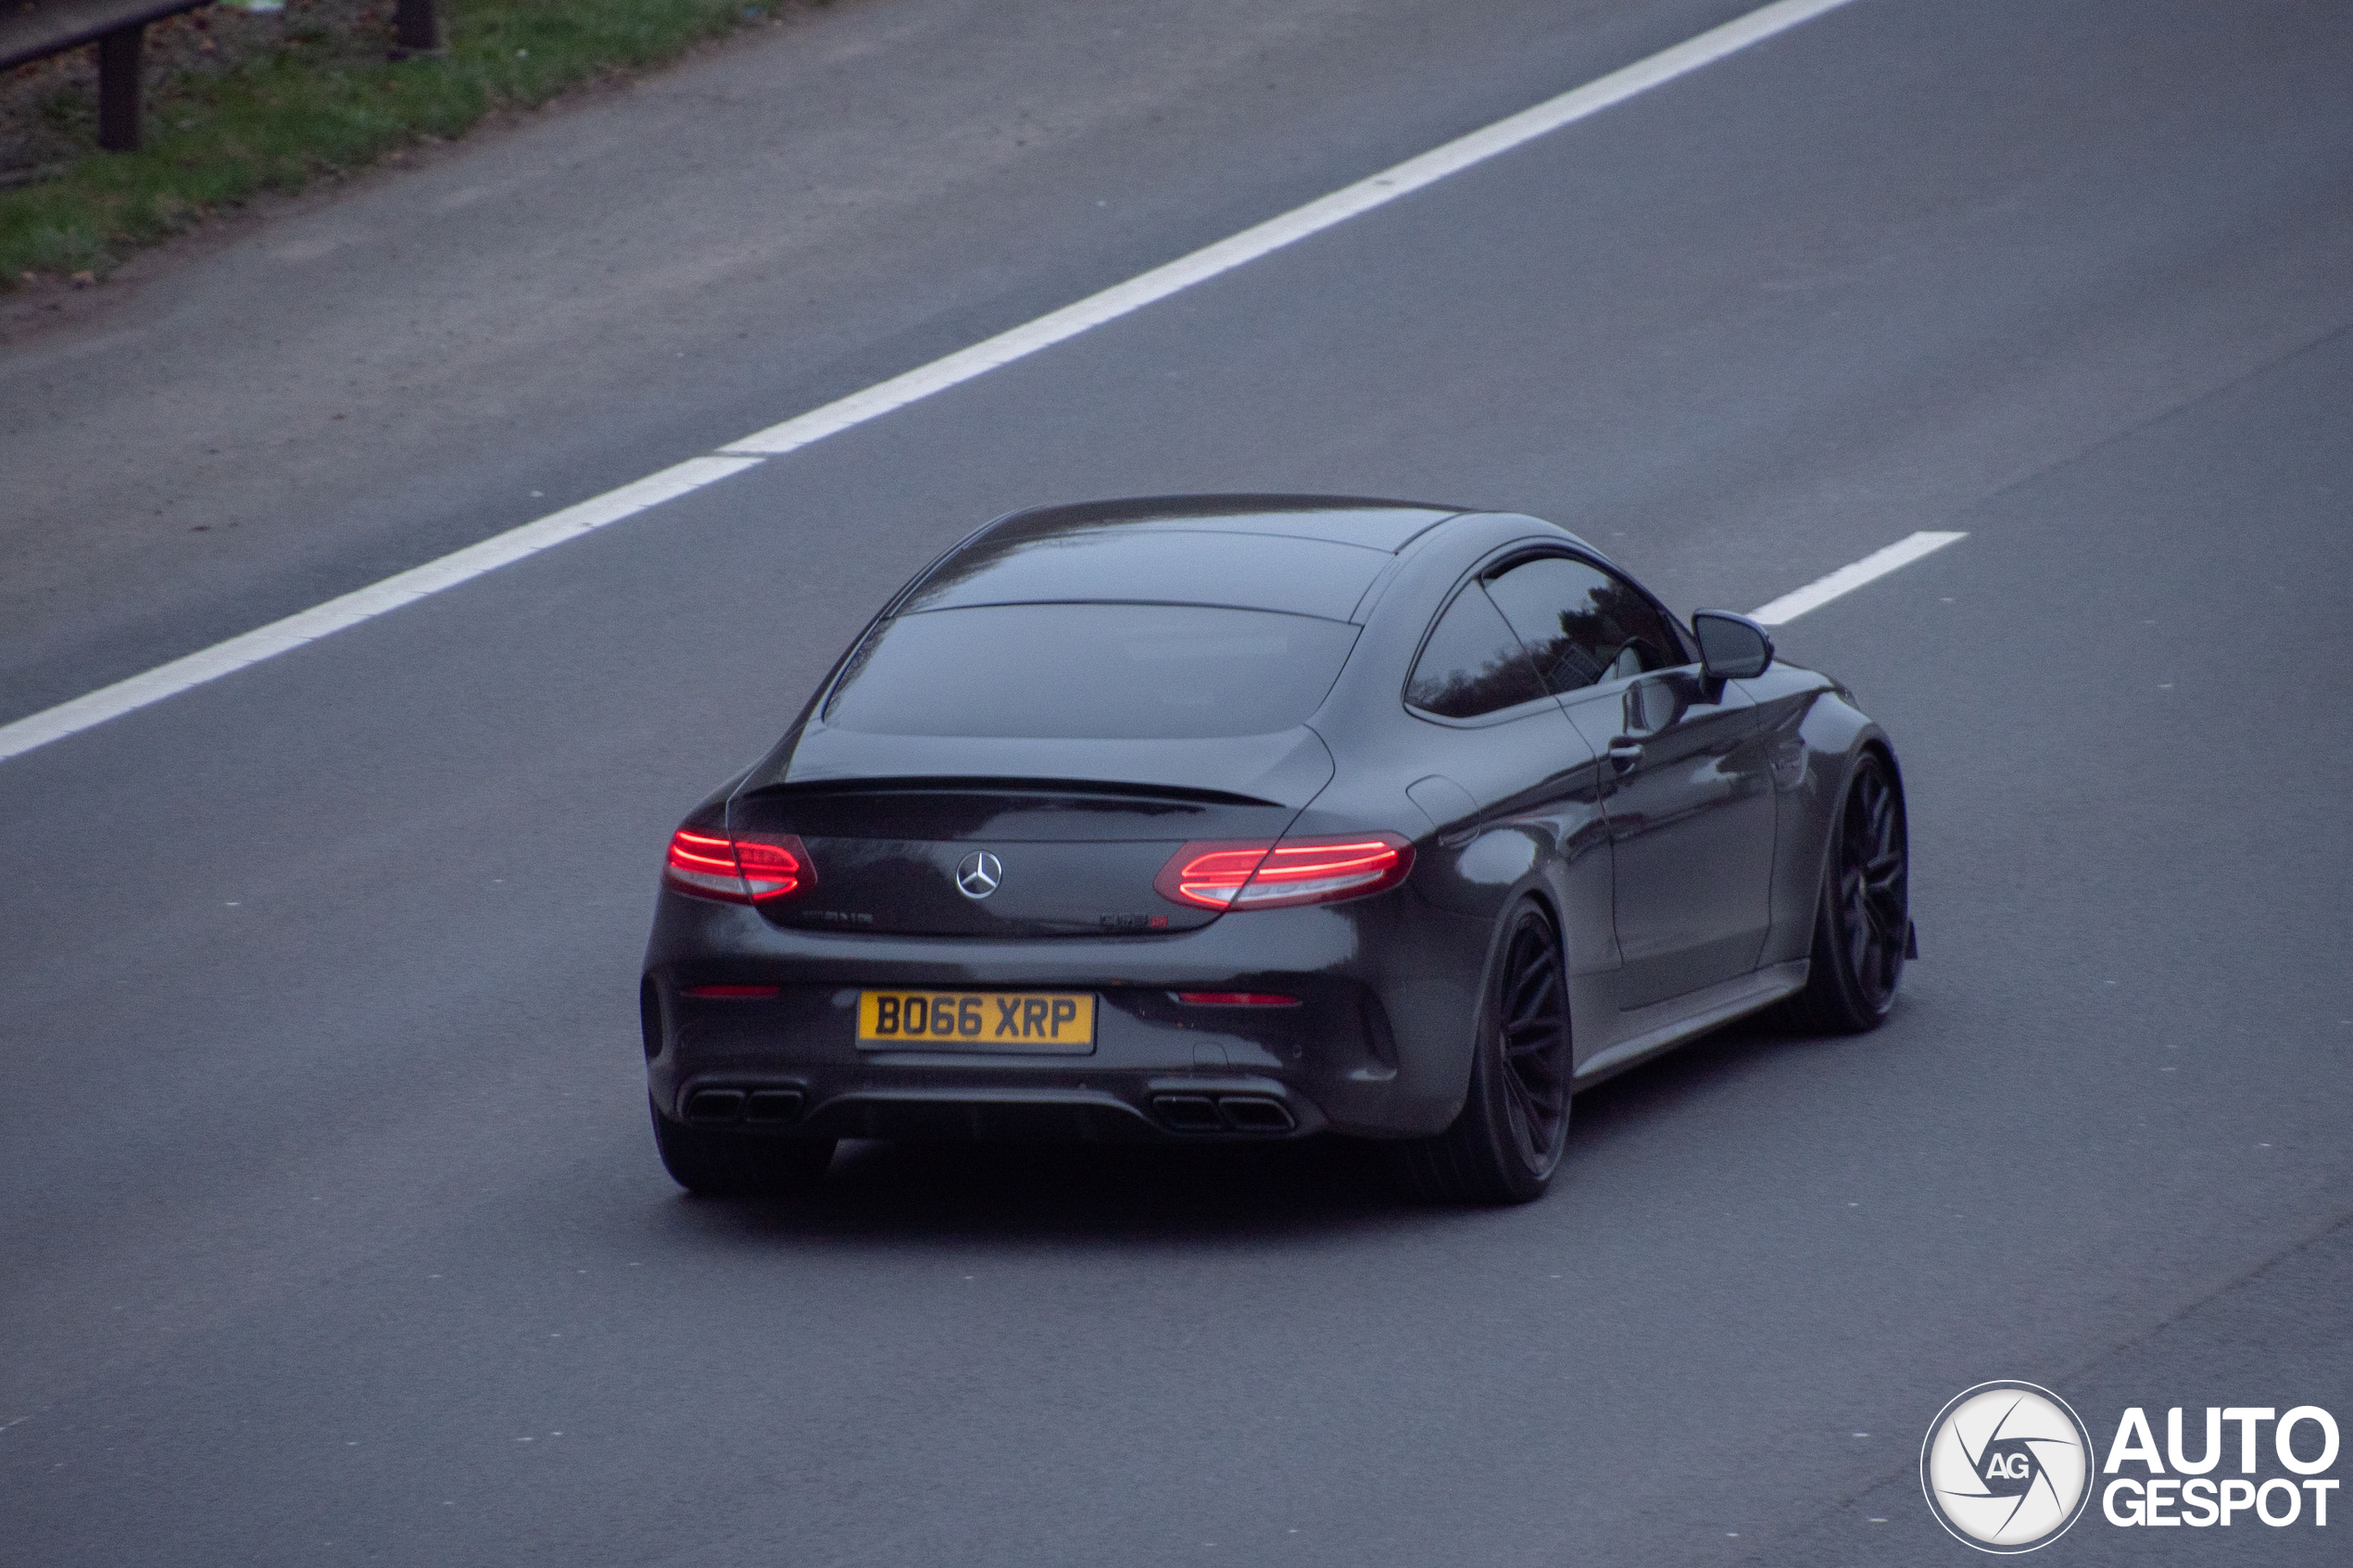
[
  {"x": 1472, "y": 663},
  {"x": 1583, "y": 625}
]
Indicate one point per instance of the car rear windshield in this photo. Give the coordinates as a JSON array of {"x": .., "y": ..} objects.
[{"x": 1110, "y": 672}]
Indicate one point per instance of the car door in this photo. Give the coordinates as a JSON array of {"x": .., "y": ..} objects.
[
  {"x": 1689, "y": 796},
  {"x": 1511, "y": 789}
]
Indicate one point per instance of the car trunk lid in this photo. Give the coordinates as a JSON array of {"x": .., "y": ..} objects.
[{"x": 1057, "y": 838}]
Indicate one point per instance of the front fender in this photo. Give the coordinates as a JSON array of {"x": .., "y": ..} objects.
[{"x": 1822, "y": 742}]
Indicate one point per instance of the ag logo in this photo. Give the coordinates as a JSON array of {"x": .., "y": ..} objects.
[{"x": 2007, "y": 1467}]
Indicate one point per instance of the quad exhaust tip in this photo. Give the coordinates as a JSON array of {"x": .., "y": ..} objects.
[
  {"x": 1249, "y": 1113},
  {"x": 1239, "y": 1113},
  {"x": 753, "y": 1108}
]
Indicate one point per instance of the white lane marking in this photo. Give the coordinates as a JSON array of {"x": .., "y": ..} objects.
[
  {"x": 1288, "y": 229},
  {"x": 363, "y": 604},
  {"x": 267, "y": 642},
  {"x": 1846, "y": 579}
]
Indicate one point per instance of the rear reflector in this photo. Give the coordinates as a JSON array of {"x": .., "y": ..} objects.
[
  {"x": 1228, "y": 1000},
  {"x": 732, "y": 993},
  {"x": 1303, "y": 870},
  {"x": 745, "y": 869}
]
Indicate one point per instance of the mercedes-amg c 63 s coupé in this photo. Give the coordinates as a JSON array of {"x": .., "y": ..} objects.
[{"x": 1255, "y": 817}]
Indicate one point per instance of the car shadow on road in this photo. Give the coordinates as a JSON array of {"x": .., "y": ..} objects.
[
  {"x": 1046, "y": 1192},
  {"x": 1208, "y": 1193}
]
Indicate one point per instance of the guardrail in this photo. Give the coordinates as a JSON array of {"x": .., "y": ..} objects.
[{"x": 32, "y": 29}]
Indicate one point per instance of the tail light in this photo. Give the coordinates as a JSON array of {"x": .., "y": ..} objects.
[
  {"x": 746, "y": 868},
  {"x": 1300, "y": 870}
]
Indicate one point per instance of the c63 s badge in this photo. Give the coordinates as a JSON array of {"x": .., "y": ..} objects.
[{"x": 2007, "y": 1467}]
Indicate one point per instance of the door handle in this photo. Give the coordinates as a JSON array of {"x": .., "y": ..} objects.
[{"x": 1625, "y": 752}]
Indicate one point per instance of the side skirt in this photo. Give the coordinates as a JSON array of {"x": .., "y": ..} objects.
[{"x": 1681, "y": 1017}]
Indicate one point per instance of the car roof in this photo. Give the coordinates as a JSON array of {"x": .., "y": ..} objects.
[
  {"x": 1362, "y": 521},
  {"x": 1301, "y": 555}
]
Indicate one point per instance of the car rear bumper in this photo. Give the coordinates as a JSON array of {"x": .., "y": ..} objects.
[
  {"x": 1159, "y": 1069},
  {"x": 791, "y": 1064},
  {"x": 1234, "y": 1109}
]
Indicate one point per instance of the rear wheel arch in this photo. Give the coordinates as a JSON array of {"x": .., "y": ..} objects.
[
  {"x": 1505, "y": 1141},
  {"x": 1534, "y": 893}
]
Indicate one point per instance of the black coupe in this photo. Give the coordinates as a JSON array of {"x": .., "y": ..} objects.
[{"x": 1246, "y": 817}]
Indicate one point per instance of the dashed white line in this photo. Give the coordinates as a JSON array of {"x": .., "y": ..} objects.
[
  {"x": 1846, "y": 579},
  {"x": 267, "y": 642},
  {"x": 1288, "y": 229}
]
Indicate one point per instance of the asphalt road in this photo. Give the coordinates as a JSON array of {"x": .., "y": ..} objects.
[
  {"x": 280, "y": 412},
  {"x": 332, "y": 1229}
]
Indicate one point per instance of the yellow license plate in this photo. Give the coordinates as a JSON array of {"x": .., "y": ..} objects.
[{"x": 983, "y": 1021}]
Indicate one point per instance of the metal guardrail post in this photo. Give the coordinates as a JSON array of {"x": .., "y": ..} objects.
[
  {"x": 119, "y": 88},
  {"x": 416, "y": 30}
]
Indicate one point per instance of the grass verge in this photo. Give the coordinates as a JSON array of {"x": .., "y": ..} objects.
[{"x": 324, "y": 100}]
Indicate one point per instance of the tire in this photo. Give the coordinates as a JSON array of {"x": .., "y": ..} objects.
[
  {"x": 1862, "y": 918},
  {"x": 718, "y": 1162},
  {"x": 1506, "y": 1143}
]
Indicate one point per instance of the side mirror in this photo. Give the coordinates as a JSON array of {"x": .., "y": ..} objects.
[{"x": 1731, "y": 647}]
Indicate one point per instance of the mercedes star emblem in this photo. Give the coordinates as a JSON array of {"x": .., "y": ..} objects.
[{"x": 978, "y": 874}]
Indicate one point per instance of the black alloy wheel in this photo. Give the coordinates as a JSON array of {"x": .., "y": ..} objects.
[
  {"x": 722, "y": 1162},
  {"x": 1863, "y": 928},
  {"x": 1506, "y": 1143}
]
